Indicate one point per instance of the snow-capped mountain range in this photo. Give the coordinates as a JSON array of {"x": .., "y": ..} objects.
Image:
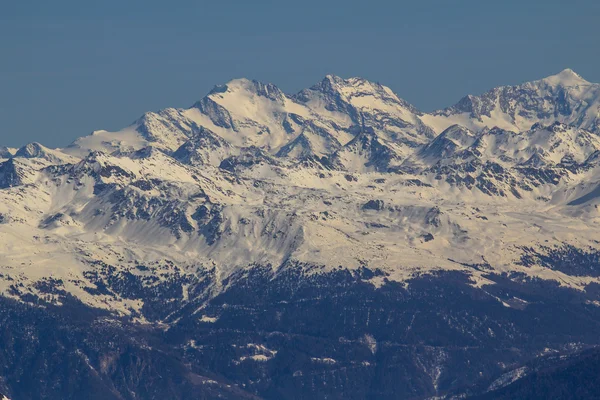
[{"x": 345, "y": 174}]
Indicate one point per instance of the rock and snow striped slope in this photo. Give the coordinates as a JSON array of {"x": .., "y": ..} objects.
[{"x": 344, "y": 173}]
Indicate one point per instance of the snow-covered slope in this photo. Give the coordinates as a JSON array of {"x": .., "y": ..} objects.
[
  {"x": 167, "y": 129},
  {"x": 342, "y": 174},
  {"x": 565, "y": 97},
  {"x": 315, "y": 140},
  {"x": 204, "y": 147},
  {"x": 245, "y": 113},
  {"x": 367, "y": 151},
  {"x": 539, "y": 146},
  {"x": 358, "y": 102}
]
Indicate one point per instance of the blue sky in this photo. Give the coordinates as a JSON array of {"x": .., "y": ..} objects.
[{"x": 70, "y": 67}]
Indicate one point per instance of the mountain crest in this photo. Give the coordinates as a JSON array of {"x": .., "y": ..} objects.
[
  {"x": 566, "y": 78},
  {"x": 249, "y": 87},
  {"x": 565, "y": 97}
]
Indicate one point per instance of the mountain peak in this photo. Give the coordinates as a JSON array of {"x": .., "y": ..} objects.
[
  {"x": 238, "y": 85},
  {"x": 352, "y": 82},
  {"x": 566, "y": 77},
  {"x": 31, "y": 150},
  {"x": 332, "y": 78}
]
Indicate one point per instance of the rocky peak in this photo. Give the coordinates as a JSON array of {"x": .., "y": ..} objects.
[
  {"x": 366, "y": 152},
  {"x": 447, "y": 143},
  {"x": 355, "y": 87},
  {"x": 167, "y": 128},
  {"x": 314, "y": 141},
  {"x": 204, "y": 147},
  {"x": 247, "y": 87},
  {"x": 32, "y": 150}
]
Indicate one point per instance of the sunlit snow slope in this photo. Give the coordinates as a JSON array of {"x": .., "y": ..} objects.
[{"x": 343, "y": 174}]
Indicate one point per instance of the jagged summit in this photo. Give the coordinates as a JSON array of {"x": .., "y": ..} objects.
[{"x": 351, "y": 89}]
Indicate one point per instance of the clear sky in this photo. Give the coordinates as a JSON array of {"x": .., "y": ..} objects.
[{"x": 68, "y": 67}]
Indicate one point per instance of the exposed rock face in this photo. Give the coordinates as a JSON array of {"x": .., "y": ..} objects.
[{"x": 373, "y": 205}]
